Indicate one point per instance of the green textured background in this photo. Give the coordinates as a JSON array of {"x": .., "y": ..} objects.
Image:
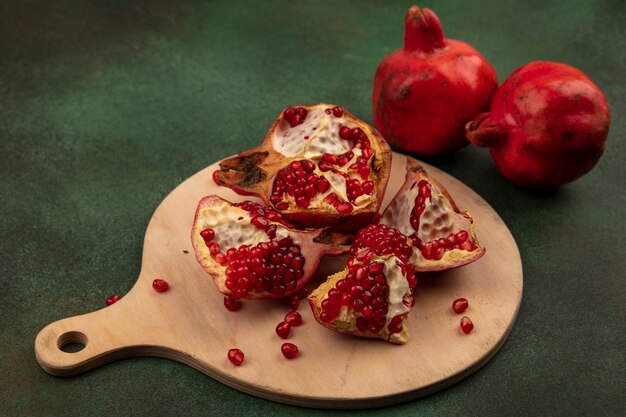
[{"x": 106, "y": 106}]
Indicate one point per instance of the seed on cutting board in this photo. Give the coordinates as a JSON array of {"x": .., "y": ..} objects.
[
  {"x": 112, "y": 299},
  {"x": 460, "y": 305},
  {"x": 293, "y": 318},
  {"x": 160, "y": 285},
  {"x": 289, "y": 350},
  {"x": 235, "y": 356},
  {"x": 232, "y": 303},
  {"x": 283, "y": 329},
  {"x": 294, "y": 302},
  {"x": 466, "y": 325}
]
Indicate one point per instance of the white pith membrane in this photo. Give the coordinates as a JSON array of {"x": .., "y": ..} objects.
[
  {"x": 398, "y": 289},
  {"x": 437, "y": 221},
  {"x": 232, "y": 229},
  {"x": 322, "y": 132}
]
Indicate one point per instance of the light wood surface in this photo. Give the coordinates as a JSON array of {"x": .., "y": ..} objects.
[{"x": 189, "y": 323}]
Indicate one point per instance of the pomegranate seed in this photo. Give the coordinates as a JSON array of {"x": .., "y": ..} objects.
[
  {"x": 304, "y": 293},
  {"x": 460, "y": 305},
  {"x": 282, "y": 206},
  {"x": 466, "y": 325},
  {"x": 293, "y": 318},
  {"x": 344, "y": 208},
  {"x": 337, "y": 111},
  {"x": 289, "y": 112},
  {"x": 208, "y": 235},
  {"x": 112, "y": 300},
  {"x": 231, "y": 303},
  {"x": 160, "y": 285},
  {"x": 235, "y": 356},
  {"x": 294, "y": 302},
  {"x": 283, "y": 329},
  {"x": 295, "y": 120},
  {"x": 344, "y": 132},
  {"x": 289, "y": 350}
]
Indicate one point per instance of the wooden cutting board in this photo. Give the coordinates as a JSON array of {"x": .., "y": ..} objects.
[{"x": 189, "y": 323}]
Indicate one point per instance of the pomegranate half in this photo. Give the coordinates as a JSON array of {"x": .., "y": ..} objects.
[
  {"x": 250, "y": 251},
  {"x": 373, "y": 295},
  {"x": 319, "y": 166},
  {"x": 442, "y": 234}
]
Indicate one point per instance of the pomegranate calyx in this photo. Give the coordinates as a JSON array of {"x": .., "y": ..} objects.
[
  {"x": 422, "y": 31},
  {"x": 487, "y": 129}
]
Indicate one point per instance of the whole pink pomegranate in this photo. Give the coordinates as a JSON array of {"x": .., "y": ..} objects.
[
  {"x": 547, "y": 125},
  {"x": 426, "y": 92}
]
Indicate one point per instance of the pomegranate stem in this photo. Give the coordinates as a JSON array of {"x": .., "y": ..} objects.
[{"x": 422, "y": 31}]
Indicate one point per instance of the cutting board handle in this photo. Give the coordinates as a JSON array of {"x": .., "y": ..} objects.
[{"x": 104, "y": 334}]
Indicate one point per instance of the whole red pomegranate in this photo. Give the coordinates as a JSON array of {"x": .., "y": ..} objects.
[
  {"x": 426, "y": 92},
  {"x": 547, "y": 125}
]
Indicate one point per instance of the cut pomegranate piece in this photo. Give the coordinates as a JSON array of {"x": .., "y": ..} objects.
[
  {"x": 373, "y": 295},
  {"x": 251, "y": 252},
  {"x": 320, "y": 167},
  {"x": 442, "y": 234}
]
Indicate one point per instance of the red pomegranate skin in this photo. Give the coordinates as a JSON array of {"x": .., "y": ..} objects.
[
  {"x": 426, "y": 92},
  {"x": 547, "y": 125}
]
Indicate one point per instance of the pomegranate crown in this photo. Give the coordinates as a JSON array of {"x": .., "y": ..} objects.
[{"x": 422, "y": 31}]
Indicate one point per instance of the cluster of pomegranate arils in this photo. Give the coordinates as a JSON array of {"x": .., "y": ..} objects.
[
  {"x": 283, "y": 329},
  {"x": 273, "y": 267},
  {"x": 299, "y": 181},
  {"x": 365, "y": 287},
  {"x": 435, "y": 249}
]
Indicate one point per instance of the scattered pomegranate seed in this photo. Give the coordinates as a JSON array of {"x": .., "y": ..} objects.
[
  {"x": 460, "y": 305},
  {"x": 283, "y": 329},
  {"x": 232, "y": 303},
  {"x": 160, "y": 285},
  {"x": 293, "y": 318},
  {"x": 235, "y": 356},
  {"x": 112, "y": 299},
  {"x": 466, "y": 325},
  {"x": 294, "y": 302},
  {"x": 337, "y": 111},
  {"x": 289, "y": 350}
]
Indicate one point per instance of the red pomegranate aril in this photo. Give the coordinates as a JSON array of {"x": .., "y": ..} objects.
[
  {"x": 344, "y": 208},
  {"x": 289, "y": 113},
  {"x": 466, "y": 325},
  {"x": 302, "y": 202},
  {"x": 295, "y": 120},
  {"x": 282, "y": 206},
  {"x": 322, "y": 185},
  {"x": 294, "y": 302},
  {"x": 327, "y": 317},
  {"x": 344, "y": 132},
  {"x": 160, "y": 285},
  {"x": 208, "y": 235},
  {"x": 231, "y": 303},
  {"x": 460, "y": 305},
  {"x": 235, "y": 356},
  {"x": 308, "y": 166},
  {"x": 283, "y": 329},
  {"x": 214, "y": 248},
  {"x": 304, "y": 293},
  {"x": 289, "y": 350},
  {"x": 112, "y": 300},
  {"x": 293, "y": 318},
  {"x": 337, "y": 111}
]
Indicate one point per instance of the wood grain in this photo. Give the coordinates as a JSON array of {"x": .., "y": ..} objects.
[{"x": 189, "y": 324}]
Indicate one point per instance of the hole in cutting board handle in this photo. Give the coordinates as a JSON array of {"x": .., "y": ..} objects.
[{"x": 72, "y": 342}]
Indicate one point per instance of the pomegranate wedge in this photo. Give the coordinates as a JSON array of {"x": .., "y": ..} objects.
[
  {"x": 373, "y": 295},
  {"x": 251, "y": 252},
  {"x": 318, "y": 165},
  {"x": 442, "y": 234}
]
